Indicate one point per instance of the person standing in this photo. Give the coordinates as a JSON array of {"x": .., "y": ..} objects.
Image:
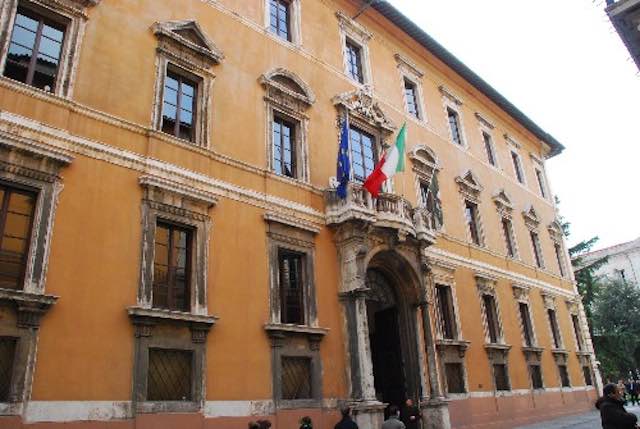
[
  {"x": 612, "y": 412},
  {"x": 410, "y": 414},
  {"x": 346, "y": 422},
  {"x": 393, "y": 422}
]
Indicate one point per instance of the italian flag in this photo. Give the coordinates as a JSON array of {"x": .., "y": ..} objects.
[{"x": 390, "y": 163}]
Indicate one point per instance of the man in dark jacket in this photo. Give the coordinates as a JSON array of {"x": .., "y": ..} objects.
[
  {"x": 346, "y": 422},
  {"x": 612, "y": 412},
  {"x": 410, "y": 415}
]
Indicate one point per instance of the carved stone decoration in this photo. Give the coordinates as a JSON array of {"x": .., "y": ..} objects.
[
  {"x": 573, "y": 305},
  {"x": 503, "y": 203},
  {"x": 549, "y": 301},
  {"x": 520, "y": 292},
  {"x": 484, "y": 121},
  {"x": 450, "y": 95},
  {"x": 186, "y": 38},
  {"x": 287, "y": 89},
  {"x": 555, "y": 231},
  {"x": 531, "y": 219},
  {"x": 486, "y": 284},
  {"x": 407, "y": 66},
  {"x": 512, "y": 141},
  {"x": 469, "y": 186},
  {"x": 425, "y": 161},
  {"x": 361, "y": 103},
  {"x": 350, "y": 26}
]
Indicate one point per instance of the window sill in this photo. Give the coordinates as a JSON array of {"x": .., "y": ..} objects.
[
  {"x": 155, "y": 315},
  {"x": 563, "y": 352},
  {"x": 287, "y": 329},
  {"x": 583, "y": 353},
  {"x": 167, "y": 407},
  {"x": 30, "y": 306},
  {"x": 460, "y": 345},
  {"x": 299, "y": 403}
]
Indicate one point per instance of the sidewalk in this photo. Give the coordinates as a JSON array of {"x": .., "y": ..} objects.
[{"x": 590, "y": 420}]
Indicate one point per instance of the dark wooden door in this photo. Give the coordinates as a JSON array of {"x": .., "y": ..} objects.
[{"x": 387, "y": 358}]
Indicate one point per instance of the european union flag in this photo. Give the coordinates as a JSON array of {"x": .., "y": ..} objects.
[{"x": 344, "y": 165}]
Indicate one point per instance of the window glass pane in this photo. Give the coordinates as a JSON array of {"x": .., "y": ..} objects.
[
  {"x": 171, "y": 82},
  {"x": 23, "y": 37},
  {"x": 291, "y": 287},
  {"x": 169, "y": 111},
  {"x": 26, "y": 22},
  {"x": 52, "y": 33},
  {"x": 501, "y": 377},
  {"x": 186, "y": 117},
  {"x": 17, "y": 212},
  {"x": 50, "y": 48},
  {"x": 170, "y": 95}
]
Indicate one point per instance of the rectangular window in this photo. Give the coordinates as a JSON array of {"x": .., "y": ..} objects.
[
  {"x": 363, "y": 156},
  {"x": 291, "y": 266},
  {"x": 491, "y": 314},
  {"x": 587, "y": 375},
  {"x": 576, "y": 331},
  {"x": 517, "y": 166},
  {"x": 537, "y": 252},
  {"x": 501, "y": 376},
  {"x": 541, "y": 184},
  {"x": 171, "y": 267},
  {"x": 7, "y": 356},
  {"x": 280, "y": 19},
  {"x": 16, "y": 218},
  {"x": 507, "y": 229},
  {"x": 471, "y": 215},
  {"x": 553, "y": 322},
  {"x": 454, "y": 126},
  {"x": 296, "y": 378},
  {"x": 455, "y": 377},
  {"x": 564, "y": 376},
  {"x": 559, "y": 258},
  {"x": 488, "y": 146},
  {"x": 354, "y": 61},
  {"x": 527, "y": 329},
  {"x": 34, "y": 50},
  {"x": 284, "y": 147},
  {"x": 411, "y": 97},
  {"x": 536, "y": 376},
  {"x": 447, "y": 312},
  {"x": 179, "y": 106},
  {"x": 169, "y": 377}
]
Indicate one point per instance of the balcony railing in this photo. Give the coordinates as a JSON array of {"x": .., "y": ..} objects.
[{"x": 387, "y": 211}]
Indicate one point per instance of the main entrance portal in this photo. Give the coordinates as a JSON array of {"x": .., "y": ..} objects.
[{"x": 391, "y": 346}]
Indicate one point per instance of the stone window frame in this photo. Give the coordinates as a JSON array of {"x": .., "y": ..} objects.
[
  {"x": 532, "y": 223},
  {"x": 470, "y": 189},
  {"x": 449, "y": 350},
  {"x": 297, "y": 236},
  {"x": 504, "y": 209},
  {"x": 283, "y": 101},
  {"x": 295, "y": 22},
  {"x": 550, "y": 303},
  {"x": 194, "y": 61},
  {"x": 27, "y": 164},
  {"x": 409, "y": 71},
  {"x": 539, "y": 167},
  {"x": 167, "y": 200},
  {"x": 486, "y": 126},
  {"x": 357, "y": 34},
  {"x": 557, "y": 238},
  {"x": 573, "y": 307},
  {"x": 533, "y": 353},
  {"x": 426, "y": 166},
  {"x": 450, "y": 100},
  {"x": 74, "y": 12},
  {"x": 515, "y": 147}
]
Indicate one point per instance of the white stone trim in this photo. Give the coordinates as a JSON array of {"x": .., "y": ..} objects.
[
  {"x": 239, "y": 408},
  {"x": 69, "y": 411},
  {"x": 359, "y": 35},
  {"x": 408, "y": 71},
  {"x": 484, "y": 126},
  {"x": 455, "y": 104},
  {"x": 295, "y": 22}
]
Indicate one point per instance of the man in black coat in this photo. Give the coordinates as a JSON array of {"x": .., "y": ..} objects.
[
  {"x": 410, "y": 415},
  {"x": 346, "y": 422},
  {"x": 612, "y": 412}
]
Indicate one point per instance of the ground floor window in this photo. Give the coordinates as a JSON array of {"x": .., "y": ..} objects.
[
  {"x": 501, "y": 376},
  {"x": 536, "y": 376},
  {"x": 564, "y": 376},
  {"x": 7, "y": 354},
  {"x": 455, "y": 377},
  {"x": 296, "y": 378},
  {"x": 587, "y": 376},
  {"x": 169, "y": 376}
]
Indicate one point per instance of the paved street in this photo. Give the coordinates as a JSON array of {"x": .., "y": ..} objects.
[{"x": 588, "y": 420}]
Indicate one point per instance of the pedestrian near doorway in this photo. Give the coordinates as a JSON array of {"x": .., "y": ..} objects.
[
  {"x": 612, "y": 412},
  {"x": 410, "y": 414},
  {"x": 306, "y": 423},
  {"x": 393, "y": 422},
  {"x": 346, "y": 422}
]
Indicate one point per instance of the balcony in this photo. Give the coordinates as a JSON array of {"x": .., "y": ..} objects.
[{"x": 389, "y": 211}]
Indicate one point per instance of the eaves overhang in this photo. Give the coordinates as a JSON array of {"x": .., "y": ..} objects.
[
  {"x": 625, "y": 17},
  {"x": 405, "y": 24}
]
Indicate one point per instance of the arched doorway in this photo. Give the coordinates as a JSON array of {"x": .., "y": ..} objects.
[{"x": 391, "y": 316}]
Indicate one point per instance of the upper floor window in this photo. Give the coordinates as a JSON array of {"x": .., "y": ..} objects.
[
  {"x": 559, "y": 258},
  {"x": 35, "y": 49},
  {"x": 353, "y": 53},
  {"x": 555, "y": 331},
  {"x": 448, "y": 324},
  {"x": 454, "y": 126},
  {"x": 541, "y": 183},
  {"x": 471, "y": 216},
  {"x": 517, "y": 166},
  {"x": 292, "y": 276},
  {"x": 488, "y": 147},
  {"x": 507, "y": 230},
  {"x": 537, "y": 250},
  {"x": 527, "y": 328},
  {"x": 280, "y": 18},
  {"x": 179, "y": 105},
  {"x": 284, "y": 148},
  {"x": 564, "y": 376},
  {"x": 171, "y": 267},
  {"x": 411, "y": 98},
  {"x": 363, "y": 153},
  {"x": 16, "y": 217},
  {"x": 577, "y": 332},
  {"x": 7, "y": 357},
  {"x": 491, "y": 316}
]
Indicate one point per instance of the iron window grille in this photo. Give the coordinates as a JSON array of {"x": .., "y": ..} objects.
[
  {"x": 536, "y": 376},
  {"x": 296, "y": 378},
  {"x": 564, "y": 376},
  {"x": 16, "y": 220},
  {"x": 354, "y": 61},
  {"x": 454, "y": 373},
  {"x": 586, "y": 371},
  {"x": 501, "y": 376},
  {"x": 454, "y": 126},
  {"x": 179, "y": 106},
  {"x": 171, "y": 267},
  {"x": 280, "y": 18},
  {"x": 291, "y": 267},
  {"x": 284, "y": 147},
  {"x": 7, "y": 357},
  {"x": 170, "y": 373},
  {"x": 35, "y": 49}
]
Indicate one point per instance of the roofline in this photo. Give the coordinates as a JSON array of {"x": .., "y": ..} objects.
[{"x": 405, "y": 24}]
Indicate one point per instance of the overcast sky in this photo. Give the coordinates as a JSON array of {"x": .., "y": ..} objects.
[{"x": 562, "y": 63}]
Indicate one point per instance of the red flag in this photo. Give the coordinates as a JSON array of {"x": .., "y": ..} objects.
[{"x": 376, "y": 179}]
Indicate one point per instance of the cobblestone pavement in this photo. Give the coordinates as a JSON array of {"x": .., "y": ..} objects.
[{"x": 590, "y": 420}]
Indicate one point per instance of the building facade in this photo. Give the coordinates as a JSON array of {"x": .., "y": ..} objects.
[
  {"x": 173, "y": 252},
  {"x": 623, "y": 262},
  {"x": 625, "y": 17}
]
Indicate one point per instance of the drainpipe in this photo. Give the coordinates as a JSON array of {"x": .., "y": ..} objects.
[{"x": 364, "y": 7}]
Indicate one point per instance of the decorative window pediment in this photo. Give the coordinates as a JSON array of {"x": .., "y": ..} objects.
[
  {"x": 353, "y": 28},
  {"x": 555, "y": 231},
  {"x": 484, "y": 121},
  {"x": 469, "y": 185},
  {"x": 450, "y": 95},
  {"x": 512, "y": 141},
  {"x": 573, "y": 305},
  {"x": 408, "y": 67},
  {"x": 286, "y": 88},
  {"x": 486, "y": 284},
  {"x": 424, "y": 159},
  {"x": 520, "y": 292},
  {"x": 503, "y": 203},
  {"x": 70, "y": 6},
  {"x": 186, "y": 38},
  {"x": 362, "y": 105},
  {"x": 549, "y": 301},
  {"x": 531, "y": 219}
]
